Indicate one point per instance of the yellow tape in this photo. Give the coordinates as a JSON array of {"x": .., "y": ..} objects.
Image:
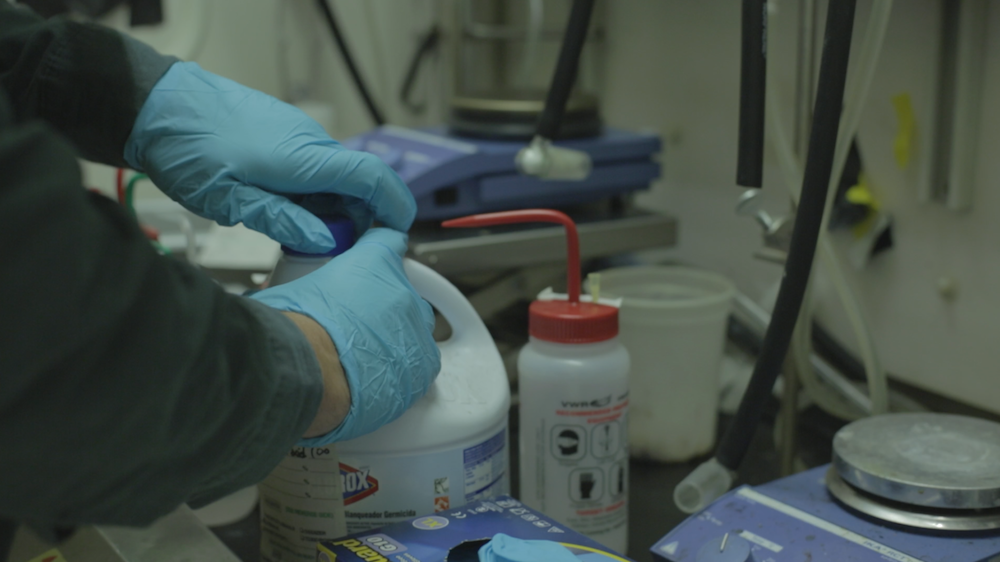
[
  {"x": 330, "y": 555},
  {"x": 861, "y": 194},
  {"x": 906, "y": 135},
  {"x": 594, "y": 550}
]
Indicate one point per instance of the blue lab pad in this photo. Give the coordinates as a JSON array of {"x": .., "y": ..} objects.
[{"x": 430, "y": 538}]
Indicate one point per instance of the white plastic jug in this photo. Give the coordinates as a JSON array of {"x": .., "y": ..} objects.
[
  {"x": 673, "y": 323},
  {"x": 451, "y": 447}
]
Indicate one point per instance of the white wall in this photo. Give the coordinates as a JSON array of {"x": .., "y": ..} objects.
[{"x": 674, "y": 66}]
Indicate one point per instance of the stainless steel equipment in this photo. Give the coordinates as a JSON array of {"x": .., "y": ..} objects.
[
  {"x": 505, "y": 53},
  {"x": 934, "y": 471}
]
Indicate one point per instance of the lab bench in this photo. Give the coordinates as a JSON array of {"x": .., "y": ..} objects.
[
  {"x": 652, "y": 512},
  {"x": 651, "y": 507}
]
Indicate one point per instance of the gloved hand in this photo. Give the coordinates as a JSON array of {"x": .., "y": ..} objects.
[
  {"x": 380, "y": 326},
  {"x": 505, "y": 548},
  {"x": 232, "y": 154}
]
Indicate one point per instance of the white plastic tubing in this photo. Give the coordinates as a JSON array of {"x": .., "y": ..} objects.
[{"x": 859, "y": 82}]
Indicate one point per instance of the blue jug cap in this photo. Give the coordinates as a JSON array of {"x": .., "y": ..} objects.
[{"x": 342, "y": 230}]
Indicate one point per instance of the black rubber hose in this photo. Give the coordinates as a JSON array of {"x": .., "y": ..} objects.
[
  {"x": 815, "y": 183},
  {"x": 345, "y": 52},
  {"x": 427, "y": 46},
  {"x": 566, "y": 67},
  {"x": 753, "y": 82}
]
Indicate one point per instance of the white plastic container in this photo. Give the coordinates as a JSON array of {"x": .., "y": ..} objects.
[
  {"x": 574, "y": 435},
  {"x": 673, "y": 322},
  {"x": 573, "y": 386},
  {"x": 301, "y": 501},
  {"x": 291, "y": 267},
  {"x": 449, "y": 448}
]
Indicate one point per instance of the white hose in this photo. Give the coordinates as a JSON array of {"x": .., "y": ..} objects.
[
  {"x": 191, "y": 242},
  {"x": 858, "y": 85}
]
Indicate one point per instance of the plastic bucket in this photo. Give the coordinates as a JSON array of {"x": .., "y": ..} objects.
[{"x": 673, "y": 323}]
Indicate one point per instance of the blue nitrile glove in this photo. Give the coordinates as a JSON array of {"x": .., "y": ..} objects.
[
  {"x": 505, "y": 548},
  {"x": 233, "y": 154},
  {"x": 379, "y": 324}
]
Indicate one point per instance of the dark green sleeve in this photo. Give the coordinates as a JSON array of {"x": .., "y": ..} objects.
[
  {"x": 129, "y": 382},
  {"x": 85, "y": 80}
]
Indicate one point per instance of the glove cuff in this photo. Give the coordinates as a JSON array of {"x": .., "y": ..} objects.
[{"x": 155, "y": 115}]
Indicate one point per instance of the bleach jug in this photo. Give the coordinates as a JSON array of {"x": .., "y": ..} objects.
[
  {"x": 449, "y": 448},
  {"x": 301, "y": 501}
]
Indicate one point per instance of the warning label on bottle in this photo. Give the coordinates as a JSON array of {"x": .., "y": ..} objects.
[{"x": 588, "y": 439}]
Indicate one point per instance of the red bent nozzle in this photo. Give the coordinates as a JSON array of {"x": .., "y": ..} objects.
[{"x": 535, "y": 215}]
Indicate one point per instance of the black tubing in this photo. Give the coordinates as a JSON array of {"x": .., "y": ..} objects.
[
  {"x": 427, "y": 46},
  {"x": 815, "y": 183},
  {"x": 753, "y": 82},
  {"x": 566, "y": 67},
  {"x": 345, "y": 52}
]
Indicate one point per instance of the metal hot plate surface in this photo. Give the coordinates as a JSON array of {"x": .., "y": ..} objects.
[
  {"x": 929, "y": 460},
  {"x": 946, "y": 520}
]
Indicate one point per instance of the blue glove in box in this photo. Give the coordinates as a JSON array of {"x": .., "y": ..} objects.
[{"x": 457, "y": 534}]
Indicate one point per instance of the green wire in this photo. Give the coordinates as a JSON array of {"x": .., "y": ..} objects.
[
  {"x": 161, "y": 248},
  {"x": 130, "y": 192},
  {"x": 165, "y": 251}
]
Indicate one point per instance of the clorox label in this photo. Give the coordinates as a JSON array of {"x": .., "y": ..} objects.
[
  {"x": 421, "y": 484},
  {"x": 357, "y": 483}
]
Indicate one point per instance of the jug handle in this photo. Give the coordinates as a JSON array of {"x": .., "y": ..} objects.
[{"x": 449, "y": 301}]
